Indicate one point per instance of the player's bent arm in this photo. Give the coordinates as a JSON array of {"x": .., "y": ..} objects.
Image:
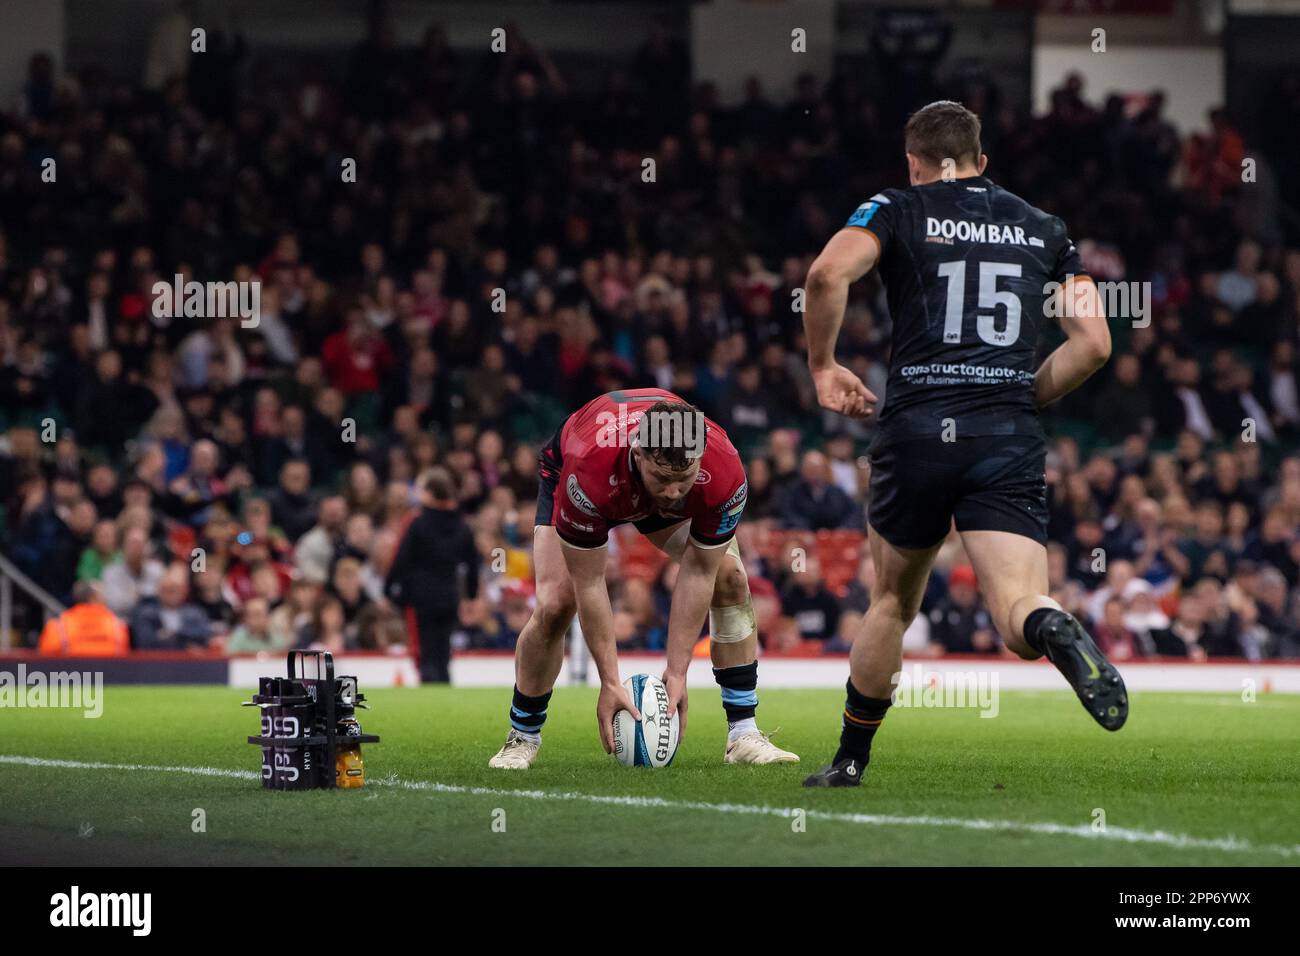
[
  {"x": 692, "y": 595},
  {"x": 587, "y": 570},
  {"x": 850, "y": 254},
  {"x": 1085, "y": 349}
]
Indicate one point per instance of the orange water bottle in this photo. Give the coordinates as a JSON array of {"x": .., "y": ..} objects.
[{"x": 349, "y": 768}]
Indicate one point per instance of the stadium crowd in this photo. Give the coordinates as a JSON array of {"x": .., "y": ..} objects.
[{"x": 504, "y": 253}]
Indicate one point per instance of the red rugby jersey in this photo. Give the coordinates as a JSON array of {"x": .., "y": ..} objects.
[{"x": 599, "y": 488}]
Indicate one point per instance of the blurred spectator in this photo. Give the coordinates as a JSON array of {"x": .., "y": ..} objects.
[
  {"x": 87, "y": 629},
  {"x": 1272, "y": 598},
  {"x": 133, "y": 575},
  {"x": 169, "y": 621},
  {"x": 959, "y": 624},
  {"x": 326, "y": 630},
  {"x": 813, "y": 502},
  {"x": 75, "y": 525},
  {"x": 1143, "y": 617},
  {"x": 1184, "y": 635},
  {"x": 1116, "y": 641},
  {"x": 747, "y": 410},
  {"x": 210, "y": 597},
  {"x": 316, "y": 550},
  {"x": 258, "y": 524},
  {"x": 345, "y": 584},
  {"x": 1125, "y": 405},
  {"x": 843, "y": 464},
  {"x": 813, "y": 608},
  {"x": 294, "y": 613},
  {"x": 101, "y": 552},
  {"x": 436, "y": 568},
  {"x": 255, "y": 633},
  {"x": 254, "y": 572},
  {"x": 293, "y": 507},
  {"x": 191, "y": 493}
]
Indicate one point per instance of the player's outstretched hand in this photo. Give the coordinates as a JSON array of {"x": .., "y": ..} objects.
[
  {"x": 841, "y": 391},
  {"x": 613, "y": 698},
  {"x": 676, "y": 687}
]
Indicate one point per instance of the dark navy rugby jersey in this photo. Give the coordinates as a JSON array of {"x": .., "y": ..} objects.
[{"x": 966, "y": 267}]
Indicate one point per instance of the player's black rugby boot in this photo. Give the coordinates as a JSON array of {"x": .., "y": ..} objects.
[
  {"x": 1075, "y": 654},
  {"x": 847, "y": 773}
]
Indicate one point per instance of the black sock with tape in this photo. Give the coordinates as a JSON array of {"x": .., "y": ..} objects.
[
  {"x": 862, "y": 718},
  {"x": 739, "y": 690},
  {"x": 528, "y": 714}
]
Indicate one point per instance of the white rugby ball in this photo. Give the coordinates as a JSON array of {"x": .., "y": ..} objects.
[{"x": 652, "y": 741}]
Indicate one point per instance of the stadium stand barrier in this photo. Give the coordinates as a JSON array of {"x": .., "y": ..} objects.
[{"x": 10, "y": 576}]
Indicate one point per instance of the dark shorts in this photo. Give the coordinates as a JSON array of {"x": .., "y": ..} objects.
[
  {"x": 918, "y": 486},
  {"x": 549, "y": 465}
]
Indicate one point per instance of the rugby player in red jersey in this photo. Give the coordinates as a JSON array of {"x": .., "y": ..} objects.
[{"x": 647, "y": 457}]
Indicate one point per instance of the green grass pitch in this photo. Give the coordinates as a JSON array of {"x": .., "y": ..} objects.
[{"x": 1194, "y": 779}]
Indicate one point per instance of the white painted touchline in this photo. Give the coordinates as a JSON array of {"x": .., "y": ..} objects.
[
  {"x": 1085, "y": 831},
  {"x": 155, "y": 768}
]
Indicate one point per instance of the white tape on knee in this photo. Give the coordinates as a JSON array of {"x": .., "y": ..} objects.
[
  {"x": 727, "y": 625},
  {"x": 730, "y": 625}
]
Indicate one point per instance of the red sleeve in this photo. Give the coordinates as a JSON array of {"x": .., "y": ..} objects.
[
  {"x": 715, "y": 524},
  {"x": 576, "y": 519}
]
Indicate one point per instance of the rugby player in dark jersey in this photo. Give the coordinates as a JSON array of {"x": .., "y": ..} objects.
[{"x": 969, "y": 270}]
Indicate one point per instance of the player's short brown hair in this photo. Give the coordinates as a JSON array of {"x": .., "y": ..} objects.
[
  {"x": 438, "y": 482},
  {"x": 672, "y": 434},
  {"x": 943, "y": 130}
]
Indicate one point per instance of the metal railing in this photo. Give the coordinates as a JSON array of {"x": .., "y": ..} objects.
[{"x": 10, "y": 575}]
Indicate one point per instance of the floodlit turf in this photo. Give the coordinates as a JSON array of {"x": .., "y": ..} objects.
[{"x": 1193, "y": 779}]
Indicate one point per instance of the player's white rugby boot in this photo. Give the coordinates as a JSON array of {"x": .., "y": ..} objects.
[
  {"x": 518, "y": 753},
  {"x": 756, "y": 748}
]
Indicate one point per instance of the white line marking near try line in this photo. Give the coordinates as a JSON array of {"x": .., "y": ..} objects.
[
  {"x": 1084, "y": 831},
  {"x": 148, "y": 767}
]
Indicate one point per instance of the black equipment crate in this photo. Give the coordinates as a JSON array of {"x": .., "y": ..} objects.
[{"x": 300, "y": 714}]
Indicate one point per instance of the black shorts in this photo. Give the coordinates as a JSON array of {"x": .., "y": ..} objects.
[
  {"x": 919, "y": 485},
  {"x": 549, "y": 465}
]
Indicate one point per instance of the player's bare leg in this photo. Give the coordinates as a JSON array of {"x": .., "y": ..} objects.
[
  {"x": 735, "y": 665},
  {"x": 733, "y": 649},
  {"x": 1012, "y": 572},
  {"x": 539, "y": 652},
  {"x": 876, "y": 657}
]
